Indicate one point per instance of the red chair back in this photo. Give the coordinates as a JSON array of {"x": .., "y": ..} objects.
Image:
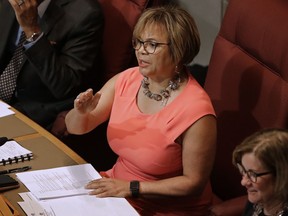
[{"x": 247, "y": 81}]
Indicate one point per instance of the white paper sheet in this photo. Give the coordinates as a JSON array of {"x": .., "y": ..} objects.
[
  {"x": 31, "y": 206},
  {"x": 4, "y": 109},
  {"x": 84, "y": 205},
  {"x": 59, "y": 182}
]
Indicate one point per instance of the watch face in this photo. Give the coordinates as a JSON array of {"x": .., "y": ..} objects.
[{"x": 134, "y": 188}]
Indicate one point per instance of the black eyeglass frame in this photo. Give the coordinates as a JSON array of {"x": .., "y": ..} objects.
[
  {"x": 250, "y": 173},
  {"x": 145, "y": 44}
]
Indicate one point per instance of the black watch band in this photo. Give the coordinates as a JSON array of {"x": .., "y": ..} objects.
[{"x": 134, "y": 188}]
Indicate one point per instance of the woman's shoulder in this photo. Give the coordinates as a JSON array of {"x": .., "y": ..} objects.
[
  {"x": 133, "y": 71},
  {"x": 129, "y": 75},
  {"x": 128, "y": 81},
  {"x": 196, "y": 94}
]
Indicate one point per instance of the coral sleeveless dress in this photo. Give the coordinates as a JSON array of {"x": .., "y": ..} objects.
[{"x": 146, "y": 143}]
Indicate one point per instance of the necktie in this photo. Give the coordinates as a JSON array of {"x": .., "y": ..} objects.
[{"x": 9, "y": 75}]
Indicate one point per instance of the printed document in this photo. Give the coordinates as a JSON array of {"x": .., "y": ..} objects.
[
  {"x": 60, "y": 192},
  {"x": 59, "y": 182},
  {"x": 84, "y": 205}
]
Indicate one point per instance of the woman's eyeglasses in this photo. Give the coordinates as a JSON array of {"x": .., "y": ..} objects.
[
  {"x": 251, "y": 175},
  {"x": 149, "y": 46}
]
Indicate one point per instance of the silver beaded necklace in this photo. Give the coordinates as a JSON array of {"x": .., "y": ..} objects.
[
  {"x": 164, "y": 93},
  {"x": 258, "y": 210}
]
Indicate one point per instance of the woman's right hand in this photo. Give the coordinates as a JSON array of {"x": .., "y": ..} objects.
[{"x": 85, "y": 102}]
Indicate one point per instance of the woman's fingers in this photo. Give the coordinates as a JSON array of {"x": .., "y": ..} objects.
[
  {"x": 97, "y": 187},
  {"x": 109, "y": 187},
  {"x": 85, "y": 101}
]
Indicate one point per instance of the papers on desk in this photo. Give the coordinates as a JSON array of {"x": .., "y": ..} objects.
[
  {"x": 4, "y": 109},
  {"x": 84, "y": 205},
  {"x": 59, "y": 182},
  {"x": 60, "y": 192}
]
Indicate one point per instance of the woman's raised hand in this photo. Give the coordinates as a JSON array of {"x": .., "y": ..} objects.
[{"x": 85, "y": 102}]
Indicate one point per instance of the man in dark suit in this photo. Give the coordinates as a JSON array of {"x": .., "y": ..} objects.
[{"x": 61, "y": 53}]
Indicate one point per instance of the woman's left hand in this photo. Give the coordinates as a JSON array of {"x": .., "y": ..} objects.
[{"x": 109, "y": 187}]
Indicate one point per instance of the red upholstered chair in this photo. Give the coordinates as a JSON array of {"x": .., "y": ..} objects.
[{"x": 247, "y": 82}]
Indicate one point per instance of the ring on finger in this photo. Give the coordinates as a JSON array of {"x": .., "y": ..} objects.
[{"x": 21, "y": 2}]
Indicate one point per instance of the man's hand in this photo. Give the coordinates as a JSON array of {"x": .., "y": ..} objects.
[{"x": 26, "y": 13}]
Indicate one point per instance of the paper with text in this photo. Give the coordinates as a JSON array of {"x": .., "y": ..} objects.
[
  {"x": 59, "y": 182},
  {"x": 31, "y": 206},
  {"x": 84, "y": 205}
]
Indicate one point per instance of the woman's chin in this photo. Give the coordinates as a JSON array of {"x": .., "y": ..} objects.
[
  {"x": 143, "y": 70},
  {"x": 252, "y": 197}
]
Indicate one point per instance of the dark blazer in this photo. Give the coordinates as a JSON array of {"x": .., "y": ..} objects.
[{"x": 62, "y": 63}]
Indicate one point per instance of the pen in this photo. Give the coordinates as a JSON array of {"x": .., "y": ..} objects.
[{"x": 20, "y": 169}]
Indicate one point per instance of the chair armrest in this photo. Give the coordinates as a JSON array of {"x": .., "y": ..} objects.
[{"x": 232, "y": 207}]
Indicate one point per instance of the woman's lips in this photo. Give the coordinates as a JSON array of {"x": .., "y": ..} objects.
[
  {"x": 143, "y": 63},
  {"x": 251, "y": 191}
]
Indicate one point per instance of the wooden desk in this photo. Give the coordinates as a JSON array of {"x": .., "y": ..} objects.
[{"x": 48, "y": 151}]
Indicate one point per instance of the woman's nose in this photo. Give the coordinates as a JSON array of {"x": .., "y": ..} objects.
[
  {"x": 142, "y": 50},
  {"x": 245, "y": 180}
]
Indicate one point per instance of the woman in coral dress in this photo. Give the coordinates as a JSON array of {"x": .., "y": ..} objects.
[{"x": 161, "y": 125}]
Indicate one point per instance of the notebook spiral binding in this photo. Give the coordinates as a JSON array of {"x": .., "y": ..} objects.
[
  {"x": 16, "y": 159},
  {"x": 21, "y": 158}
]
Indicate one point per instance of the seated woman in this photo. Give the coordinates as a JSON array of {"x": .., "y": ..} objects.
[
  {"x": 161, "y": 122},
  {"x": 262, "y": 160}
]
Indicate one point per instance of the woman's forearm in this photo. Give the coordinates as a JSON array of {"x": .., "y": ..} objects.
[
  {"x": 177, "y": 186},
  {"x": 76, "y": 122}
]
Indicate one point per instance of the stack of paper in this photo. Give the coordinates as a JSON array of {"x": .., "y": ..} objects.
[{"x": 60, "y": 192}]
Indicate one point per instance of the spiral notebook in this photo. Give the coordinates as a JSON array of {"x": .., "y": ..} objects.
[{"x": 13, "y": 152}]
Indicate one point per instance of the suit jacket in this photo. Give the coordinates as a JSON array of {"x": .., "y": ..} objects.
[{"x": 60, "y": 64}]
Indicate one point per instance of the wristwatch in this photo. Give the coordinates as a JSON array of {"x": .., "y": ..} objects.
[
  {"x": 134, "y": 188},
  {"x": 33, "y": 37}
]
